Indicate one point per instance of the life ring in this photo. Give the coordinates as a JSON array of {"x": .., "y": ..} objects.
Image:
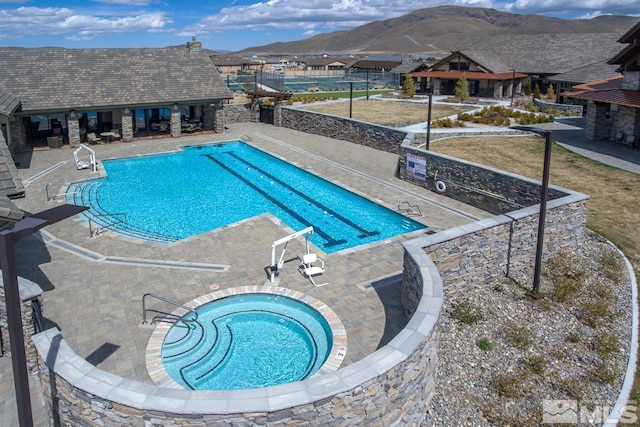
[{"x": 441, "y": 186}]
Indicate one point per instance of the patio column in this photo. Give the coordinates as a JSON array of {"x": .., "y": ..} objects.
[
  {"x": 218, "y": 121},
  {"x": 127, "y": 125},
  {"x": 597, "y": 126},
  {"x": 73, "y": 128},
  {"x": 176, "y": 122}
]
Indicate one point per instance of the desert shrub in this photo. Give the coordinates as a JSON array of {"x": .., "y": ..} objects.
[
  {"x": 508, "y": 385},
  {"x": 605, "y": 344},
  {"x": 447, "y": 123},
  {"x": 612, "y": 266},
  {"x": 484, "y": 344},
  {"x": 574, "y": 336},
  {"x": 566, "y": 277},
  {"x": 467, "y": 312},
  {"x": 518, "y": 334},
  {"x": 536, "y": 364}
]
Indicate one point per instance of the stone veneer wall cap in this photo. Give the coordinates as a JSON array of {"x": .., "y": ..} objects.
[{"x": 28, "y": 289}]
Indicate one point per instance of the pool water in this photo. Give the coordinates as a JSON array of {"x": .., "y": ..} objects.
[
  {"x": 173, "y": 196},
  {"x": 246, "y": 341}
]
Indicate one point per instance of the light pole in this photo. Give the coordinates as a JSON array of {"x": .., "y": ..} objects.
[
  {"x": 8, "y": 239},
  {"x": 543, "y": 201},
  {"x": 350, "y": 98},
  {"x": 513, "y": 85},
  {"x": 430, "y": 92}
]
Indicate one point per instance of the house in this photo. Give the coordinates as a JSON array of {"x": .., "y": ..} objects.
[
  {"x": 487, "y": 75},
  {"x": 613, "y": 105},
  {"x": 69, "y": 95},
  {"x": 325, "y": 64},
  {"x": 592, "y": 72}
]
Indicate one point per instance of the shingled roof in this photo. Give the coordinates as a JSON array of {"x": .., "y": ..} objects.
[
  {"x": 588, "y": 73},
  {"x": 10, "y": 182},
  {"x": 546, "y": 53},
  {"x": 56, "y": 79},
  {"x": 8, "y": 103}
]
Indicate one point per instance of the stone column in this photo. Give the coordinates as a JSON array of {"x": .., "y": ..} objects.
[
  {"x": 73, "y": 128},
  {"x": 29, "y": 292},
  {"x": 208, "y": 117},
  {"x": 176, "y": 122},
  {"x": 277, "y": 113},
  {"x": 219, "y": 125},
  {"x": 17, "y": 133},
  {"x": 127, "y": 125},
  {"x": 596, "y": 126}
]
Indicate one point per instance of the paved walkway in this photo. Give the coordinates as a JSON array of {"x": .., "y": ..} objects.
[{"x": 93, "y": 291}]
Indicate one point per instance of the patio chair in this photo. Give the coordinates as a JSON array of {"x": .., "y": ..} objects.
[
  {"x": 311, "y": 266},
  {"x": 92, "y": 138}
]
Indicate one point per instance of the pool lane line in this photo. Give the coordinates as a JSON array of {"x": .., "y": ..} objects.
[
  {"x": 90, "y": 255},
  {"x": 363, "y": 233},
  {"x": 372, "y": 178},
  {"x": 317, "y": 230}
]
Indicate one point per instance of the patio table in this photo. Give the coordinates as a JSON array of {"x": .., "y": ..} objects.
[{"x": 107, "y": 136}]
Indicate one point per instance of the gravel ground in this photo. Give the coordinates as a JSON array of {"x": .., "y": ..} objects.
[{"x": 572, "y": 344}]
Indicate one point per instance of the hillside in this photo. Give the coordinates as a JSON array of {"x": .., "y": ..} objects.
[{"x": 440, "y": 29}]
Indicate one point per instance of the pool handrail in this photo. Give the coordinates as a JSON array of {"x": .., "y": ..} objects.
[{"x": 166, "y": 315}]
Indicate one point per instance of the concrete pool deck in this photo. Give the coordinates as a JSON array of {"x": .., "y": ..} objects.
[{"x": 94, "y": 286}]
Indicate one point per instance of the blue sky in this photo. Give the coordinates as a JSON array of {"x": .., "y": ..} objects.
[{"x": 233, "y": 24}]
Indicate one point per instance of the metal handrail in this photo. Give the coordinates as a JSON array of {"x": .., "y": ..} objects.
[
  {"x": 93, "y": 233},
  {"x": 168, "y": 301},
  {"x": 246, "y": 138}
]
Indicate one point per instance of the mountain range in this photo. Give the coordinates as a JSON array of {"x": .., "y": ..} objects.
[{"x": 440, "y": 30}]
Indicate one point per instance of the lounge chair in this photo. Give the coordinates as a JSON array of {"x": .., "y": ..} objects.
[{"x": 311, "y": 266}]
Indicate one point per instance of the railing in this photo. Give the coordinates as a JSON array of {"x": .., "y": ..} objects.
[
  {"x": 165, "y": 316},
  {"x": 56, "y": 198},
  {"x": 246, "y": 138},
  {"x": 94, "y": 233}
]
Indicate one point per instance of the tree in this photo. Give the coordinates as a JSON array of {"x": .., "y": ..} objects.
[
  {"x": 551, "y": 94},
  {"x": 536, "y": 91},
  {"x": 462, "y": 88},
  {"x": 409, "y": 87},
  {"x": 527, "y": 88}
]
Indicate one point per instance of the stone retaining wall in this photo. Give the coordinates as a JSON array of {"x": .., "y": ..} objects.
[
  {"x": 29, "y": 292},
  {"x": 380, "y": 137},
  {"x": 486, "y": 188},
  {"x": 392, "y": 386},
  {"x": 481, "y": 252},
  {"x": 576, "y": 110},
  {"x": 237, "y": 113}
]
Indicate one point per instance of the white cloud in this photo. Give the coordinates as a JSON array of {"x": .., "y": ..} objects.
[
  {"x": 125, "y": 2},
  {"x": 313, "y": 15},
  {"x": 598, "y": 7},
  {"x": 53, "y": 20}
]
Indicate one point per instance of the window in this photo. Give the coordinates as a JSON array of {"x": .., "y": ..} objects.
[{"x": 459, "y": 66}]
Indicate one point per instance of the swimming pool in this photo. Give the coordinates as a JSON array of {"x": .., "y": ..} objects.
[
  {"x": 249, "y": 337},
  {"x": 172, "y": 196}
]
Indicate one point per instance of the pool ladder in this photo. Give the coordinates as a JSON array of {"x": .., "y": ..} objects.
[{"x": 164, "y": 316}]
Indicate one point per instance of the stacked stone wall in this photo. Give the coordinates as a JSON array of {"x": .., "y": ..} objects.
[
  {"x": 30, "y": 294},
  {"x": 379, "y": 137},
  {"x": 237, "y": 113},
  {"x": 575, "y": 110}
]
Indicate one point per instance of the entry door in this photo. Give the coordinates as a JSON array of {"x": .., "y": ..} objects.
[{"x": 266, "y": 114}]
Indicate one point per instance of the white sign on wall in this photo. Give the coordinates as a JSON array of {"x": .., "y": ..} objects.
[{"x": 417, "y": 166}]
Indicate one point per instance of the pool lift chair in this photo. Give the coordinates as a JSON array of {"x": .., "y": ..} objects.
[
  {"x": 309, "y": 265},
  {"x": 85, "y": 164}
]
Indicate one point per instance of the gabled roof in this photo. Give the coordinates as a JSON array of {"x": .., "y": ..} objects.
[
  {"x": 10, "y": 182},
  {"x": 374, "y": 64},
  {"x": 607, "y": 91},
  {"x": 545, "y": 53},
  {"x": 470, "y": 75},
  {"x": 56, "y": 79},
  {"x": 315, "y": 62},
  {"x": 588, "y": 73},
  {"x": 631, "y": 34},
  {"x": 8, "y": 103},
  {"x": 489, "y": 61},
  {"x": 410, "y": 67}
]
